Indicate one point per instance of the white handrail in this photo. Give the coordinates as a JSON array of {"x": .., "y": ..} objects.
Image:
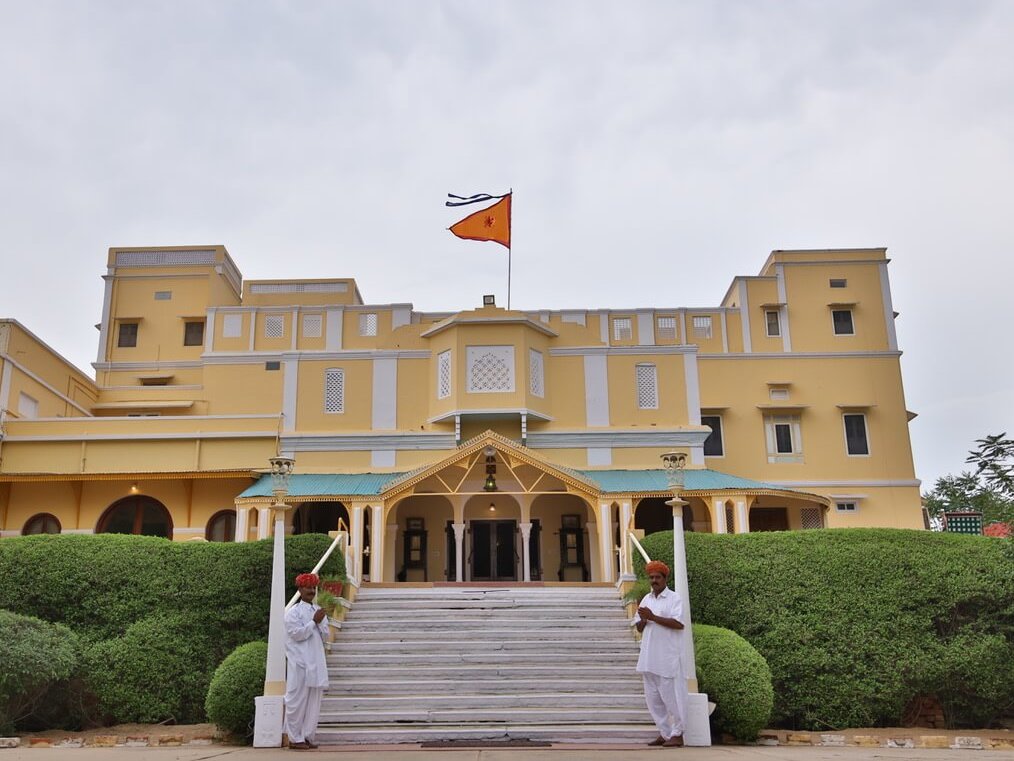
[
  {"x": 637, "y": 544},
  {"x": 342, "y": 536}
]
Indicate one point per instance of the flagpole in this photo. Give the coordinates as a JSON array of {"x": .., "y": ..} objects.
[
  {"x": 510, "y": 234},
  {"x": 508, "y": 277}
]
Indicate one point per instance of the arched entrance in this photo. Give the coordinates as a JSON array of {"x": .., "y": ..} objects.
[
  {"x": 137, "y": 514},
  {"x": 424, "y": 544},
  {"x": 43, "y": 523},
  {"x": 318, "y": 517},
  {"x": 653, "y": 514},
  {"x": 564, "y": 517},
  {"x": 492, "y": 538}
]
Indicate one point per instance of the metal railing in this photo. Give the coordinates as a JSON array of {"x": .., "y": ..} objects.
[{"x": 342, "y": 538}]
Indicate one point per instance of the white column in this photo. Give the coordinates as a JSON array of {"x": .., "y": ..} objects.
[
  {"x": 264, "y": 523},
  {"x": 242, "y": 524},
  {"x": 526, "y": 565},
  {"x": 459, "y": 551},
  {"x": 626, "y": 562},
  {"x": 718, "y": 506},
  {"x": 391, "y": 552},
  {"x": 605, "y": 542},
  {"x": 270, "y": 707},
  {"x": 743, "y": 522},
  {"x": 377, "y": 543},
  {"x": 355, "y": 558}
]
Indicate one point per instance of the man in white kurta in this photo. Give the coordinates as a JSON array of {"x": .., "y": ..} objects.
[
  {"x": 306, "y": 629},
  {"x": 659, "y": 619}
]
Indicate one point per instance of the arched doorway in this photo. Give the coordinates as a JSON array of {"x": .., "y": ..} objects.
[
  {"x": 318, "y": 517},
  {"x": 43, "y": 523},
  {"x": 653, "y": 514},
  {"x": 221, "y": 527},
  {"x": 137, "y": 514},
  {"x": 493, "y": 549}
]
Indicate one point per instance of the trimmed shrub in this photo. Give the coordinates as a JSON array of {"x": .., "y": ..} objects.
[
  {"x": 35, "y": 658},
  {"x": 736, "y": 678},
  {"x": 854, "y": 623},
  {"x": 237, "y": 681}
]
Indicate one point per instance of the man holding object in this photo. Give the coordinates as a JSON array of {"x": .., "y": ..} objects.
[
  {"x": 306, "y": 628},
  {"x": 661, "y": 660}
]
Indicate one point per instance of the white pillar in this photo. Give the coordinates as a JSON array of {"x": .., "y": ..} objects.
[
  {"x": 391, "y": 552},
  {"x": 242, "y": 524},
  {"x": 741, "y": 518},
  {"x": 626, "y": 562},
  {"x": 354, "y": 561},
  {"x": 718, "y": 506},
  {"x": 459, "y": 551},
  {"x": 377, "y": 543},
  {"x": 270, "y": 707},
  {"x": 605, "y": 542},
  {"x": 526, "y": 565},
  {"x": 263, "y": 523}
]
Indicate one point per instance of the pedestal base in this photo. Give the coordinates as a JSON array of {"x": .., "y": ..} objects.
[
  {"x": 697, "y": 732},
  {"x": 268, "y": 720}
]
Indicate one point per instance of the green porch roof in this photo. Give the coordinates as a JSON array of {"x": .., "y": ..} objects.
[{"x": 322, "y": 484}]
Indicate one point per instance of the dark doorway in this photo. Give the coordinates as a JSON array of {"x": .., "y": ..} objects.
[
  {"x": 494, "y": 555},
  {"x": 318, "y": 517},
  {"x": 769, "y": 519},
  {"x": 653, "y": 514},
  {"x": 137, "y": 515}
]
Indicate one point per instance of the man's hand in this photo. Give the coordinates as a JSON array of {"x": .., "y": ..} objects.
[
  {"x": 318, "y": 615},
  {"x": 646, "y": 614}
]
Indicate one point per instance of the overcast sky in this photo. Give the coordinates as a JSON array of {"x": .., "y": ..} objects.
[{"x": 655, "y": 149}]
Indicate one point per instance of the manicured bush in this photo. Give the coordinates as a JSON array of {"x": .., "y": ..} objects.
[
  {"x": 35, "y": 658},
  {"x": 237, "y": 681},
  {"x": 736, "y": 678},
  {"x": 854, "y": 623}
]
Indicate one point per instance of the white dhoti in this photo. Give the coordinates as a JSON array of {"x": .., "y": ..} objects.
[
  {"x": 666, "y": 697},
  {"x": 302, "y": 706},
  {"x": 307, "y": 678}
]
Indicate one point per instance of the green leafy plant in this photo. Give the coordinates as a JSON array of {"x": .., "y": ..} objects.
[
  {"x": 736, "y": 678},
  {"x": 236, "y": 682}
]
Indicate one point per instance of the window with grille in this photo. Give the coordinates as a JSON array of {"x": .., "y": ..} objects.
[
  {"x": 368, "y": 324},
  {"x": 444, "y": 374},
  {"x": 193, "y": 333},
  {"x": 839, "y": 282},
  {"x": 490, "y": 369},
  {"x": 622, "y": 329},
  {"x": 127, "y": 336},
  {"x": 713, "y": 445},
  {"x": 856, "y": 442},
  {"x": 811, "y": 517},
  {"x": 536, "y": 378},
  {"x": 773, "y": 323},
  {"x": 784, "y": 439},
  {"x": 274, "y": 326},
  {"x": 647, "y": 387},
  {"x": 232, "y": 325},
  {"x": 730, "y": 523},
  {"x": 702, "y": 326},
  {"x": 27, "y": 406},
  {"x": 843, "y": 325},
  {"x": 846, "y": 507},
  {"x": 313, "y": 324},
  {"x": 334, "y": 390},
  {"x": 665, "y": 327}
]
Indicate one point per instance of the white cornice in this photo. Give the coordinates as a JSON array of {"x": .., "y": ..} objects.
[
  {"x": 254, "y": 357},
  {"x": 356, "y": 442},
  {"x": 89, "y": 437},
  {"x": 584, "y": 351},
  {"x": 616, "y": 439},
  {"x": 491, "y": 412},
  {"x": 153, "y": 365},
  {"x": 849, "y": 484},
  {"x": 804, "y": 355},
  {"x": 149, "y": 421},
  {"x": 459, "y": 321}
]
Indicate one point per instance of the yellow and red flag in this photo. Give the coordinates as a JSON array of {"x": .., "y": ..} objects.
[{"x": 492, "y": 223}]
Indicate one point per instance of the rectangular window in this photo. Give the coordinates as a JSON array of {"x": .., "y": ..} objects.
[
  {"x": 368, "y": 324},
  {"x": 163, "y": 295},
  {"x": 622, "y": 329},
  {"x": 647, "y": 387},
  {"x": 232, "y": 325},
  {"x": 784, "y": 439},
  {"x": 334, "y": 391},
  {"x": 773, "y": 324},
  {"x": 666, "y": 328},
  {"x": 855, "y": 434},
  {"x": 839, "y": 282},
  {"x": 713, "y": 445},
  {"x": 778, "y": 394},
  {"x": 27, "y": 406},
  {"x": 193, "y": 333},
  {"x": 312, "y": 325},
  {"x": 846, "y": 507},
  {"x": 702, "y": 326},
  {"x": 536, "y": 379},
  {"x": 273, "y": 365},
  {"x": 274, "y": 326},
  {"x": 842, "y": 319},
  {"x": 127, "y": 337},
  {"x": 444, "y": 374}
]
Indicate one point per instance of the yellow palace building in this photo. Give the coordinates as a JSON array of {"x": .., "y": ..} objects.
[{"x": 483, "y": 445}]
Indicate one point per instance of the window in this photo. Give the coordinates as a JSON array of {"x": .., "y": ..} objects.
[
  {"x": 368, "y": 324},
  {"x": 43, "y": 523},
  {"x": 846, "y": 507},
  {"x": 127, "y": 337},
  {"x": 136, "y": 515},
  {"x": 784, "y": 439},
  {"x": 221, "y": 527},
  {"x": 273, "y": 365},
  {"x": 647, "y": 387},
  {"x": 536, "y": 377},
  {"x": 856, "y": 442},
  {"x": 778, "y": 394},
  {"x": 193, "y": 333},
  {"x": 232, "y": 326},
  {"x": 334, "y": 391},
  {"x": 666, "y": 328},
  {"x": 811, "y": 517},
  {"x": 163, "y": 295},
  {"x": 842, "y": 319},
  {"x": 444, "y": 374},
  {"x": 702, "y": 326},
  {"x": 274, "y": 326},
  {"x": 27, "y": 406},
  {"x": 713, "y": 445},
  {"x": 622, "y": 329},
  {"x": 773, "y": 324},
  {"x": 490, "y": 369},
  {"x": 839, "y": 282},
  {"x": 312, "y": 325}
]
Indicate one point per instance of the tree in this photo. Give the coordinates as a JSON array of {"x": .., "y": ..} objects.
[
  {"x": 967, "y": 492},
  {"x": 994, "y": 461}
]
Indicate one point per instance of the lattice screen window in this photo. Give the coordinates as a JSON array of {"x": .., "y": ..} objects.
[
  {"x": 312, "y": 325},
  {"x": 232, "y": 325},
  {"x": 730, "y": 523},
  {"x": 444, "y": 374},
  {"x": 702, "y": 326},
  {"x": 28, "y": 407},
  {"x": 274, "y": 326},
  {"x": 622, "y": 329},
  {"x": 811, "y": 517},
  {"x": 334, "y": 390},
  {"x": 665, "y": 327},
  {"x": 368, "y": 324},
  {"x": 490, "y": 369},
  {"x": 647, "y": 387},
  {"x": 536, "y": 377}
]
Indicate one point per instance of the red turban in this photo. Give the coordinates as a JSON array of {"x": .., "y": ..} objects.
[
  {"x": 307, "y": 580},
  {"x": 657, "y": 566}
]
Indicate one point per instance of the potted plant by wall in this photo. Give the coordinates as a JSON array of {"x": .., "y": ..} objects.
[
  {"x": 327, "y": 601},
  {"x": 332, "y": 584}
]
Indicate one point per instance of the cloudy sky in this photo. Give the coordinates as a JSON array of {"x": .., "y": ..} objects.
[{"x": 655, "y": 149}]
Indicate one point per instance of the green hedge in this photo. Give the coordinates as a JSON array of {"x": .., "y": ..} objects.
[
  {"x": 36, "y": 658},
  {"x": 736, "y": 678},
  {"x": 854, "y": 623},
  {"x": 237, "y": 681}
]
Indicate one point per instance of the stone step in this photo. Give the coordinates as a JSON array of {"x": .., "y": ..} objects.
[
  {"x": 422, "y": 686},
  {"x": 479, "y": 652},
  {"x": 361, "y": 734},
  {"x": 558, "y": 715},
  {"x": 349, "y": 635},
  {"x": 348, "y": 704},
  {"x": 358, "y": 670},
  {"x": 611, "y": 602},
  {"x": 393, "y": 615}
]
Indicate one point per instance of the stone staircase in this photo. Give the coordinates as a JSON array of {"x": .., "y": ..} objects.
[{"x": 420, "y": 664}]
